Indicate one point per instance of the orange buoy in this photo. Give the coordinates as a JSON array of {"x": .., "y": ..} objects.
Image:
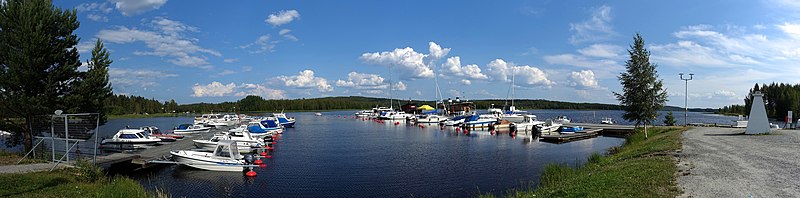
[
  {"x": 258, "y": 162},
  {"x": 250, "y": 173}
]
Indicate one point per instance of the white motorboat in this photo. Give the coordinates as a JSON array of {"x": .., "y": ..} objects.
[
  {"x": 740, "y": 123},
  {"x": 549, "y": 126},
  {"x": 317, "y": 114},
  {"x": 394, "y": 115},
  {"x": 606, "y": 121},
  {"x": 431, "y": 118},
  {"x": 223, "y": 158},
  {"x": 528, "y": 123},
  {"x": 190, "y": 128},
  {"x": 480, "y": 121},
  {"x": 258, "y": 129},
  {"x": 243, "y": 145},
  {"x": 363, "y": 113},
  {"x": 131, "y": 136},
  {"x": 455, "y": 121},
  {"x": 283, "y": 120},
  {"x": 562, "y": 120}
]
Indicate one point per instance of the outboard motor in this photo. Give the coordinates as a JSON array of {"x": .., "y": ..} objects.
[{"x": 248, "y": 158}]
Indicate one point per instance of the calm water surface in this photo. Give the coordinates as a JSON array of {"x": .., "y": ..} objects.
[{"x": 332, "y": 156}]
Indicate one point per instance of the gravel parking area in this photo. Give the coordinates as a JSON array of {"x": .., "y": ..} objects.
[{"x": 723, "y": 162}]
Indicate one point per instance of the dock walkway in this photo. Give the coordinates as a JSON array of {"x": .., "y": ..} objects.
[{"x": 142, "y": 156}]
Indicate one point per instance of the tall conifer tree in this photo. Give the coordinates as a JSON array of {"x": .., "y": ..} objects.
[{"x": 642, "y": 93}]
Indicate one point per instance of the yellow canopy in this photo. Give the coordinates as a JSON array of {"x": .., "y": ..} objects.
[{"x": 425, "y": 108}]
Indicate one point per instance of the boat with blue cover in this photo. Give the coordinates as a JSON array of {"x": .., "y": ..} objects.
[{"x": 283, "y": 120}]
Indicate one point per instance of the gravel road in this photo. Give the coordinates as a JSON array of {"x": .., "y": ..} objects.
[{"x": 722, "y": 162}]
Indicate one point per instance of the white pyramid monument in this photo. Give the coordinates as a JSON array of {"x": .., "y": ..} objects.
[{"x": 758, "y": 123}]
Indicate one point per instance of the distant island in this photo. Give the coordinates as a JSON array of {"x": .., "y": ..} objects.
[{"x": 123, "y": 104}]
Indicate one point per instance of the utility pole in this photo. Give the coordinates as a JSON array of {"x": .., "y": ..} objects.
[{"x": 686, "y": 99}]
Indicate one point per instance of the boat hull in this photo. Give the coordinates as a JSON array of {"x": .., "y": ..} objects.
[
  {"x": 244, "y": 147},
  {"x": 205, "y": 162},
  {"x": 190, "y": 131}
]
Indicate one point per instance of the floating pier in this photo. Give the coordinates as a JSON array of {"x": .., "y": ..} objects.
[
  {"x": 142, "y": 157},
  {"x": 557, "y": 137}
]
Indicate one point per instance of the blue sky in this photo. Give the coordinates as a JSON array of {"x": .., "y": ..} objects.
[{"x": 206, "y": 51}]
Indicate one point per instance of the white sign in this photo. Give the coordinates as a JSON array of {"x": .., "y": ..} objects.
[{"x": 790, "y": 117}]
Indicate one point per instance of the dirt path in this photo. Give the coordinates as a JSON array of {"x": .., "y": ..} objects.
[
  {"x": 720, "y": 162},
  {"x": 25, "y": 168}
]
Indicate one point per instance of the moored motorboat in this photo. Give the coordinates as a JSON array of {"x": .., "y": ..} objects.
[
  {"x": 155, "y": 132},
  {"x": 243, "y": 146},
  {"x": 190, "y": 128},
  {"x": 562, "y": 120},
  {"x": 430, "y": 118},
  {"x": 283, "y": 120},
  {"x": 606, "y": 121},
  {"x": 223, "y": 158},
  {"x": 132, "y": 137},
  {"x": 480, "y": 121}
]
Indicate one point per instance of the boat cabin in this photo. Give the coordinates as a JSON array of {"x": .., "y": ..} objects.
[{"x": 227, "y": 149}]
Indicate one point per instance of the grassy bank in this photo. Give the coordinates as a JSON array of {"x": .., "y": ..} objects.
[
  {"x": 639, "y": 168},
  {"x": 84, "y": 180},
  {"x": 66, "y": 183},
  {"x": 9, "y": 158}
]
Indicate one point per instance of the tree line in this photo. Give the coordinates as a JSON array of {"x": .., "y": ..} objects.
[
  {"x": 779, "y": 98},
  {"x": 122, "y": 104}
]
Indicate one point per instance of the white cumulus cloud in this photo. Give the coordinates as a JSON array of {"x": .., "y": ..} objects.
[
  {"x": 282, "y": 17},
  {"x": 583, "y": 79},
  {"x": 437, "y": 51},
  {"x": 306, "y": 79},
  {"x": 453, "y": 67},
  {"x": 362, "y": 81},
  {"x": 134, "y": 7},
  {"x": 260, "y": 90},
  {"x": 215, "y": 89},
  {"x": 501, "y": 70},
  {"x": 409, "y": 63}
]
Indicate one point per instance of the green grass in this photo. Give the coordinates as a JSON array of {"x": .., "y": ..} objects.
[
  {"x": 11, "y": 158},
  {"x": 71, "y": 182},
  {"x": 639, "y": 168}
]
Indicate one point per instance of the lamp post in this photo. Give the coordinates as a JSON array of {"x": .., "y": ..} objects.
[{"x": 686, "y": 99}]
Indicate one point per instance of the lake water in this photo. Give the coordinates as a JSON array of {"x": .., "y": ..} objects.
[
  {"x": 332, "y": 156},
  {"x": 335, "y": 156}
]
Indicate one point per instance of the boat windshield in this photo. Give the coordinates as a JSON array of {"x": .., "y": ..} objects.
[{"x": 222, "y": 151}]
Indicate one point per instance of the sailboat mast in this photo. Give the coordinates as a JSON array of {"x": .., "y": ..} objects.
[{"x": 513, "y": 69}]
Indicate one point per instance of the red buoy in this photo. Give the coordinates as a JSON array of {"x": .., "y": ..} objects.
[
  {"x": 262, "y": 165},
  {"x": 263, "y": 153},
  {"x": 250, "y": 173},
  {"x": 458, "y": 129},
  {"x": 258, "y": 161},
  {"x": 270, "y": 148},
  {"x": 268, "y": 156}
]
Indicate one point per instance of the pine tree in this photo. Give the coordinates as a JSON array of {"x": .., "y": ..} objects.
[
  {"x": 38, "y": 63},
  {"x": 90, "y": 93},
  {"x": 669, "y": 119},
  {"x": 643, "y": 94}
]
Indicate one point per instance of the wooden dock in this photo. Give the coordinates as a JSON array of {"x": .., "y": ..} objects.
[
  {"x": 160, "y": 152},
  {"x": 557, "y": 137},
  {"x": 608, "y": 129}
]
